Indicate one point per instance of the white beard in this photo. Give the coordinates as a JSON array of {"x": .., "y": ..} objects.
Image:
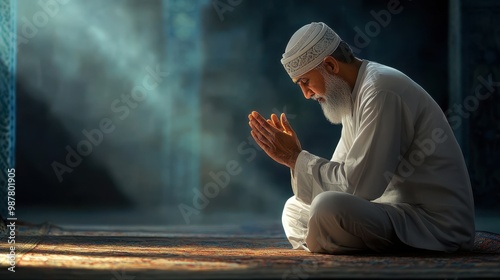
[{"x": 337, "y": 98}]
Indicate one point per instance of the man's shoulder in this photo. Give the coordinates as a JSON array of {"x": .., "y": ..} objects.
[
  {"x": 379, "y": 78},
  {"x": 384, "y": 76},
  {"x": 384, "y": 85}
]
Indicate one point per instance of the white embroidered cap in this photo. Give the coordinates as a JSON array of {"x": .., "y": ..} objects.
[{"x": 307, "y": 48}]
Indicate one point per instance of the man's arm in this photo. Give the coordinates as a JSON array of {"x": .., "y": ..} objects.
[
  {"x": 339, "y": 156},
  {"x": 373, "y": 156}
]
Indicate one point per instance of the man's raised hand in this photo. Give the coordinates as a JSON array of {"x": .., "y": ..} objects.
[{"x": 276, "y": 137}]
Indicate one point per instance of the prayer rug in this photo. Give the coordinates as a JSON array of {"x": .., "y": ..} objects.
[{"x": 222, "y": 252}]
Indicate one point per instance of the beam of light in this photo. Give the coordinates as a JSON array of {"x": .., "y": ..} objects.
[{"x": 183, "y": 59}]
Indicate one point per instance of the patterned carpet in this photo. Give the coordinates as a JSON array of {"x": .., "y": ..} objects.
[{"x": 222, "y": 252}]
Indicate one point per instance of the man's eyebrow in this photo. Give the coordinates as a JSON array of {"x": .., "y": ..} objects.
[{"x": 297, "y": 81}]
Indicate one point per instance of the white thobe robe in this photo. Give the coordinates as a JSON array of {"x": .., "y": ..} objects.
[{"x": 397, "y": 149}]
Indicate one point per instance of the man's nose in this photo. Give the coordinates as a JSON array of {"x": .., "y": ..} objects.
[{"x": 306, "y": 91}]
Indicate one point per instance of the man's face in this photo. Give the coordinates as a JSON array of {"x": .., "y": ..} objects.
[
  {"x": 312, "y": 84},
  {"x": 331, "y": 91}
]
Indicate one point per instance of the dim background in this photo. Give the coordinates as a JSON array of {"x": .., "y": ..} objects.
[{"x": 219, "y": 60}]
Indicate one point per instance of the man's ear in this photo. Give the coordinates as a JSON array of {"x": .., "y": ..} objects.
[{"x": 331, "y": 65}]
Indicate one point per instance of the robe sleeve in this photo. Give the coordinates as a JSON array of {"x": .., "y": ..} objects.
[{"x": 375, "y": 153}]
